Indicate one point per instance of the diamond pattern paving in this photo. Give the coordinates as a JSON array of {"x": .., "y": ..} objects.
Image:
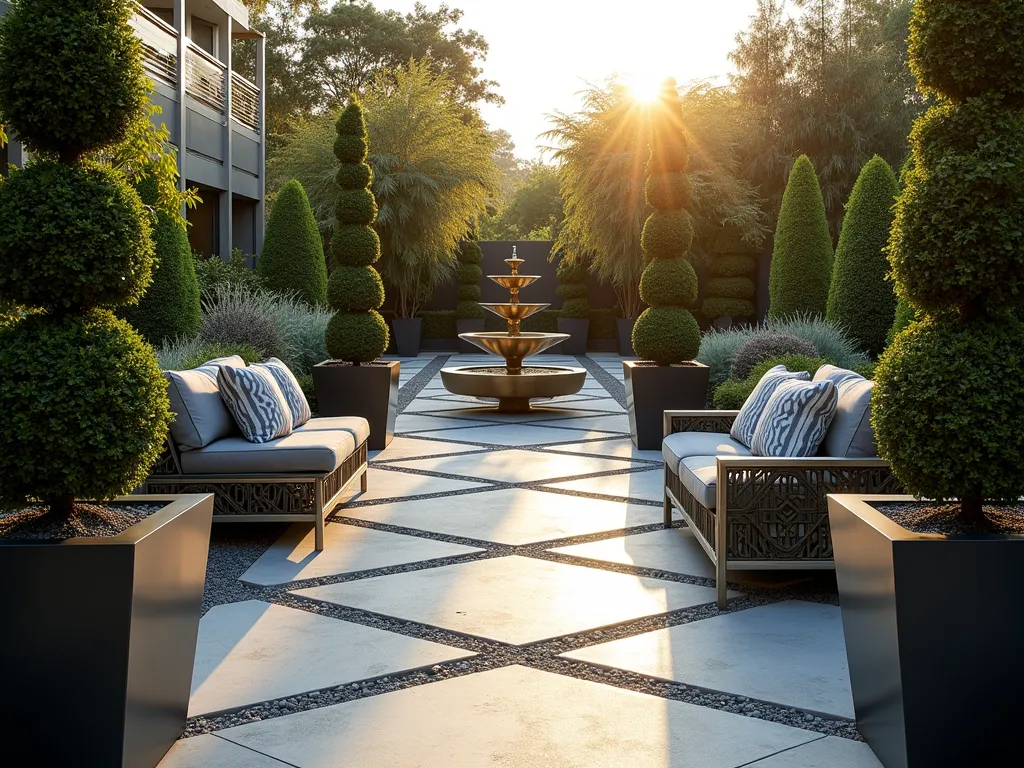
[
  {"x": 516, "y": 434},
  {"x": 516, "y": 466},
  {"x": 674, "y": 550}
]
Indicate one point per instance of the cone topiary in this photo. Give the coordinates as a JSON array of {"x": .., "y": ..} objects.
[
  {"x": 666, "y": 333},
  {"x": 572, "y": 277},
  {"x": 85, "y": 407},
  {"x": 469, "y": 274},
  {"x": 292, "y": 261},
  {"x": 861, "y": 298},
  {"x": 946, "y": 408},
  {"x": 357, "y": 333},
  {"x": 730, "y": 291},
  {"x": 801, "y": 270}
]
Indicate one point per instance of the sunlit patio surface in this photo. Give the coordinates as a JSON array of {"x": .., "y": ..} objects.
[{"x": 505, "y": 595}]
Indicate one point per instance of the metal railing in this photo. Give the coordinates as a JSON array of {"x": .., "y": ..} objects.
[
  {"x": 159, "y": 46},
  {"x": 245, "y": 102},
  {"x": 205, "y": 79}
]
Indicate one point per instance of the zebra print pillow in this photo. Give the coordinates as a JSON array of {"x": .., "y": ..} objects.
[
  {"x": 297, "y": 403},
  {"x": 256, "y": 401},
  {"x": 746, "y": 422},
  {"x": 795, "y": 419}
]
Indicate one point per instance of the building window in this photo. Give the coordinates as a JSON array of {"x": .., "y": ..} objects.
[{"x": 204, "y": 35}]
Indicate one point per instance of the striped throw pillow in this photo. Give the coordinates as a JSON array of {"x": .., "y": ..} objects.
[
  {"x": 795, "y": 419},
  {"x": 746, "y": 422},
  {"x": 297, "y": 403},
  {"x": 256, "y": 401}
]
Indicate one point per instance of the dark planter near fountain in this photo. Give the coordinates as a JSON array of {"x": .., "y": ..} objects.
[
  {"x": 933, "y": 628},
  {"x": 625, "y": 326},
  {"x": 653, "y": 389},
  {"x": 369, "y": 390},
  {"x": 98, "y": 639},
  {"x": 472, "y": 325},
  {"x": 578, "y": 330},
  {"x": 407, "y": 332}
]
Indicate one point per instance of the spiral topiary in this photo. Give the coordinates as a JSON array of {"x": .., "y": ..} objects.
[
  {"x": 357, "y": 333},
  {"x": 730, "y": 291},
  {"x": 666, "y": 333},
  {"x": 946, "y": 408},
  {"x": 572, "y": 276},
  {"x": 292, "y": 260},
  {"x": 85, "y": 407},
  {"x": 469, "y": 274}
]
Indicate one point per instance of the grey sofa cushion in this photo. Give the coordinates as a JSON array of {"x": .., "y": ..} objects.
[
  {"x": 795, "y": 419},
  {"x": 301, "y": 451},
  {"x": 699, "y": 476},
  {"x": 356, "y": 426},
  {"x": 835, "y": 374},
  {"x": 850, "y": 436},
  {"x": 200, "y": 416},
  {"x": 750, "y": 414},
  {"x": 682, "y": 445}
]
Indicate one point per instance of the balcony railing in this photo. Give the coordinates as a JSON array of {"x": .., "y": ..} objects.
[
  {"x": 245, "y": 102},
  {"x": 205, "y": 79},
  {"x": 159, "y": 46}
]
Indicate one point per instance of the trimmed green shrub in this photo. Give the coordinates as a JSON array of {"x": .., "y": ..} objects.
[
  {"x": 358, "y": 333},
  {"x": 861, "y": 298},
  {"x": 731, "y": 394},
  {"x": 572, "y": 277},
  {"x": 211, "y": 351},
  {"x": 714, "y": 308},
  {"x": 292, "y": 260},
  {"x": 731, "y": 287},
  {"x": 470, "y": 274},
  {"x": 604, "y": 323},
  {"x": 439, "y": 324},
  {"x": 905, "y": 315},
  {"x": 213, "y": 272},
  {"x": 470, "y": 292},
  {"x": 801, "y": 269},
  {"x": 666, "y": 332},
  {"x": 545, "y": 321},
  {"x": 732, "y": 265},
  {"x": 170, "y": 307},
  {"x": 731, "y": 290},
  {"x": 767, "y": 346}
]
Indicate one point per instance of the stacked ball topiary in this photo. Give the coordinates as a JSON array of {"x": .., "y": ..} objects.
[
  {"x": 731, "y": 289},
  {"x": 292, "y": 261},
  {"x": 470, "y": 273},
  {"x": 357, "y": 333},
  {"x": 947, "y": 404},
  {"x": 666, "y": 332},
  {"x": 572, "y": 278},
  {"x": 85, "y": 407}
]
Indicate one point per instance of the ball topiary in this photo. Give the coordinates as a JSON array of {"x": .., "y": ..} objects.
[
  {"x": 292, "y": 261},
  {"x": 765, "y": 346},
  {"x": 71, "y": 74},
  {"x": 666, "y": 333},
  {"x": 714, "y": 307},
  {"x": 731, "y": 290},
  {"x": 469, "y": 274},
  {"x": 801, "y": 269},
  {"x": 732, "y": 265},
  {"x": 470, "y": 292},
  {"x": 572, "y": 276},
  {"x": 861, "y": 298},
  {"x": 731, "y": 287},
  {"x": 357, "y": 334}
]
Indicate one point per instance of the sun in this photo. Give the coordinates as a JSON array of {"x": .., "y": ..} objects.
[{"x": 645, "y": 87}]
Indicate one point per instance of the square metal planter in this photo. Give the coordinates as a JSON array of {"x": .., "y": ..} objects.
[
  {"x": 98, "y": 639},
  {"x": 653, "y": 389},
  {"x": 934, "y": 626},
  {"x": 578, "y": 330},
  {"x": 370, "y": 391}
]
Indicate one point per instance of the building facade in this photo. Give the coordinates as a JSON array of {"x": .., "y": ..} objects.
[{"x": 214, "y": 113}]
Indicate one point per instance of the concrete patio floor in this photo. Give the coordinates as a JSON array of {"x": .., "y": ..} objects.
[{"x": 505, "y": 595}]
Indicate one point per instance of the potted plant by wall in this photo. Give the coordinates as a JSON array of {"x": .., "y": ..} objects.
[
  {"x": 469, "y": 315},
  {"x": 929, "y": 589},
  {"x": 355, "y": 382},
  {"x": 574, "y": 317},
  {"x": 101, "y": 598},
  {"x": 666, "y": 336}
]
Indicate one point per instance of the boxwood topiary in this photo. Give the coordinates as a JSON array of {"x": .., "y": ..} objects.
[
  {"x": 765, "y": 346},
  {"x": 292, "y": 260},
  {"x": 730, "y": 291},
  {"x": 572, "y": 276},
  {"x": 666, "y": 333},
  {"x": 469, "y": 274}
]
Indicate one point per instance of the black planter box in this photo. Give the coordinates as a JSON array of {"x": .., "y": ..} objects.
[
  {"x": 472, "y": 325},
  {"x": 625, "y": 328},
  {"x": 98, "y": 639},
  {"x": 370, "y": 391},
  {"x": 934, "y": 626},
  {"x": 653, "y": 389},
  {"x": 407, "y": 332},
  {"x": 578, "y": 330}
]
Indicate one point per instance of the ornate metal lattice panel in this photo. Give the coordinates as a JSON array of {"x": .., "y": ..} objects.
[
  {"x": 708, "y": 421},
  {"x": 702, "y": 517},
  {"x": 235, "y": 499}
]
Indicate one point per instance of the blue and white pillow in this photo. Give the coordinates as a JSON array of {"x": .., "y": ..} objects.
[
  {"x": 746, "y": 422},
  {"x": 293, "y": 394},
  {"x": 256, "y": 402},
  {"x": 795, "y": 419}
]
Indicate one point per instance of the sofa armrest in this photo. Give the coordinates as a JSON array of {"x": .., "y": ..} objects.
[{"x": 698, "y": 421}]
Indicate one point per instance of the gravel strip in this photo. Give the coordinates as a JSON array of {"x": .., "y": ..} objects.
[
  {"x": 413, "y": 387},
  {"x": 613, "y": 386},
  {"x": 930, "y": 517}
]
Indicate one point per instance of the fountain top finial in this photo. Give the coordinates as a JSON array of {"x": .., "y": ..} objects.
[{"x": 514, "y": 262}]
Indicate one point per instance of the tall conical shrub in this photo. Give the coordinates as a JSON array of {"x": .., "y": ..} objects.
[
  {"x": 357, "y": 333},
  {"x": 84, "y": 406},
  {"x": 731, "y": 290},
  {"x": 947, "y": 407},
  {"x": 292, "y": 260},
  {"x": 170, "y": 308},
  {"x": 666, "y": 332},
  {"x": 470, "y": 274},
  {"x": 861, "y": 298},
  {"x": 801, "y": 270}
]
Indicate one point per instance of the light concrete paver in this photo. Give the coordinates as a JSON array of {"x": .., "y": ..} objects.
[
  {"x": 253, "y": 651},
  {"x": 644, "y": 486},
  {"x": 619, "y": 448},
  {"x": 517, "y": 717},
  {"x": 513, "y": 599},
  {"x": 830, "y": 752},
  {"x": 606, "y": 423},
  {"x": 790, "y": 653},
  {"x": 606, "y": 404},
  {"x": 414, "y": 448},
  {"x": 673, "y": 549},
  {"x": 347, "y": 549},
  {"x": 389, "y": 484},
  {"x": 210, "y": 751},
  {"x": 418, "y": 422},
  {"x": 512, "y": 516},
  {"x": 516, "y": 466},
  {"x": 516, "y": 434}
]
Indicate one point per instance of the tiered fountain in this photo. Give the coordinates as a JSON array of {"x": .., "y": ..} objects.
[{"x": 512, "y": 384}]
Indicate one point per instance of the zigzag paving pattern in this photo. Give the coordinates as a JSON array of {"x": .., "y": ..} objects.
[{"x": 505, "y": 595}]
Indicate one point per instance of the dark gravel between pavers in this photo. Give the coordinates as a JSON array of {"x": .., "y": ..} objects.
[
  {"x": 614, "y": 387},
  {"x": 416, "y": 384}
]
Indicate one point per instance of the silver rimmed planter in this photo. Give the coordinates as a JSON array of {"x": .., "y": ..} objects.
[
  {"x": 934, "y": 626},
  {"x": 98, "y": 639},
  {"x": 652, "y": 389}
]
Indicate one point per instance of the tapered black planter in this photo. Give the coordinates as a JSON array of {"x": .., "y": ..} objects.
[
  {"x": 653, "y": 389},
  {"x": 407, "y": 332},
  {"x": 369, "y": 390},
  {"x": 625, "y": 327},
  {"x": 472, "y": 325},
  {"x": 578, "y": 330},
  {"x": 98, "y": 639},
  {"x": 934, "y": 626}
]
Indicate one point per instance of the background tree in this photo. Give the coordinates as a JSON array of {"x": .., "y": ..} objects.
[
  {"x": 292, "y": 260},
  {"x": 861, "y": 298},
  {"x": 946, "y": 408},
  {"x": 801, "y": 270},
  {"x": 534, "y": 210}
]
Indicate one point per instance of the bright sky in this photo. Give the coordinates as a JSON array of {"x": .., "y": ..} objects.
[{"x": 543, "y": 52}]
